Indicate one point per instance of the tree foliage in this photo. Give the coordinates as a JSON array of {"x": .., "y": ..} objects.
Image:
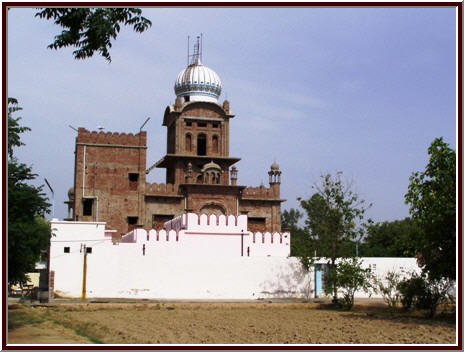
[
  {"x": 28, "y": 232},
  {"x": 335, "y": 216},
  {"x": 290, "y": 219},
  {"x": 432, "y": 203},
  {"x": 390, "y": 239},
  {"x": 91, "y": 30},
  {"x": 300, "y": 246},
  {"x": 14, "y": 129}
]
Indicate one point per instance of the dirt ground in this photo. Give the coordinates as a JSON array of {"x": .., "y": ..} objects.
[{"x": 221, "y": 323}]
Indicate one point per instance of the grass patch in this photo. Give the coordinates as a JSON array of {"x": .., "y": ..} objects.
[
  {"x": 18, "y": 318},
  {"x": 83, "y": 330}
]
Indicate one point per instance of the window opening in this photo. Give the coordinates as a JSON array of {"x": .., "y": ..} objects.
[
  {"x": 133, "y": 181},
  {"x": 201, "y": 144},
  {"x": 132, "y": 220},
  {"x": 67, "y": 250},
  {"x": 87, "y": 205}
]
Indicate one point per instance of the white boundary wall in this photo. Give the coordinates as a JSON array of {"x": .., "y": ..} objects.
[{"x": 208, "y": 266}]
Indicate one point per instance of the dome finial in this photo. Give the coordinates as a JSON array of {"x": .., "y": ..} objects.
[{"x": 197, "y": 51}]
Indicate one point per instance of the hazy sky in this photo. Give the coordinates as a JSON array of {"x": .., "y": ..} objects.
[{"x": 358, "y": 90}]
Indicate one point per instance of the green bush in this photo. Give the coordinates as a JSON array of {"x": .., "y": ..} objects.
[
  {"x": 388, "y": 287},
  {"x": 347, "y": 277},
  {"x": 410, "y": 289},
  {"x": 426, "y": 293}
]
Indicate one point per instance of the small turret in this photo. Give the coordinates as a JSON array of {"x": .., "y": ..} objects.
[
  {"x": 178, "y": 104},
  {"x": 226, "y": 106},
  {"x": 70, "y": 203},
  {"x": 189, "y": 175},
  {"x": 233, "y": 176}
]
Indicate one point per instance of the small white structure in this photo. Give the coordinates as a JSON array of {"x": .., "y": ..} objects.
[{"x": 195, "y": 256}]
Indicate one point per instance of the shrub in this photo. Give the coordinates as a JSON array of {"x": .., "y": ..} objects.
[
  {"x": 434, "y": 292},
  {"x": 423, "y": 292},
  {"x": 348, "y": 277},
  {"x": 388, "y": 287},
  {"x": 409, "y": 290}
]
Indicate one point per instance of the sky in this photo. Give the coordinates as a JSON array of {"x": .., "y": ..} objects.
[{"x": 319, "y": 90}]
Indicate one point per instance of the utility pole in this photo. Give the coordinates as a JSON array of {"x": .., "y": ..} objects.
[{"x": 84, "y": 277}]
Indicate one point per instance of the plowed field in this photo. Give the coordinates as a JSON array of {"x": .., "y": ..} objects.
[{"x": 223, "y": 323}]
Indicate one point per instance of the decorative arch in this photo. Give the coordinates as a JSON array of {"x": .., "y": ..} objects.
[
  {"x": 213, "y": 208},
  {"x": 188, "y": 142},
  {"x": 215, "y": 144}
]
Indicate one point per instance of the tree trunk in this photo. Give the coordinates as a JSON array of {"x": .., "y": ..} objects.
[{"x": 332, "y": 266}]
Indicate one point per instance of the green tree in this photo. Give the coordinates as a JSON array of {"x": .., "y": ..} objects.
[
  {"x": 28, "y": 232},
  {"x": 432, "y": 203},
  {"x": 390, "y": 239},
  {"x": 91, "y": 30},
  {"x": 334, "y": 220},
  {"x": 348, "y": 277}
]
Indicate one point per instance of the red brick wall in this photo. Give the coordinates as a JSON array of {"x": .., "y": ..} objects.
[{"x": 109, "y": 158}]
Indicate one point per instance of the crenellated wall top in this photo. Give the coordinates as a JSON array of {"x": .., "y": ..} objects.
[{"x": 111, "y": 138}]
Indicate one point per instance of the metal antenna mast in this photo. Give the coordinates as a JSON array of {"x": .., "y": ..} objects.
[
  {"x": 201, "y": 47},
  {"x": 197, "y": 51}
]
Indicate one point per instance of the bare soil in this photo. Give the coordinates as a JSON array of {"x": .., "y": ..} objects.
[{"x": 227, "y": 323}]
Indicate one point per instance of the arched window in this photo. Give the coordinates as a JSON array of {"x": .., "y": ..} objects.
[
  {"x": 200, "y": 179},
  {"x": 215, "y": 144},
  {"x": 188, "y": 142},
  {"x": 201, "y": 144}
]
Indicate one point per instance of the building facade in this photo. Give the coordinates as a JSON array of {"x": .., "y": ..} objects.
[{"x": 110, "y": 168}]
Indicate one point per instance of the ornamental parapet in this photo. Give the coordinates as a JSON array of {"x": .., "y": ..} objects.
[
  {"x": 161, "y": 189},
  {"x": 258, "y": 192}
]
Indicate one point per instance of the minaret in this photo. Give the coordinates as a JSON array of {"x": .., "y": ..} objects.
[{"x": 274, "y": 179}]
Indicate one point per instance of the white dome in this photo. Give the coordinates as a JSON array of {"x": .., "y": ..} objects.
[{"x": 199, "y": 83}]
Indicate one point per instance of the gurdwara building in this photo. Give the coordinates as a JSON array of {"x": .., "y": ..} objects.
[{"x": 111, "y": 168}]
